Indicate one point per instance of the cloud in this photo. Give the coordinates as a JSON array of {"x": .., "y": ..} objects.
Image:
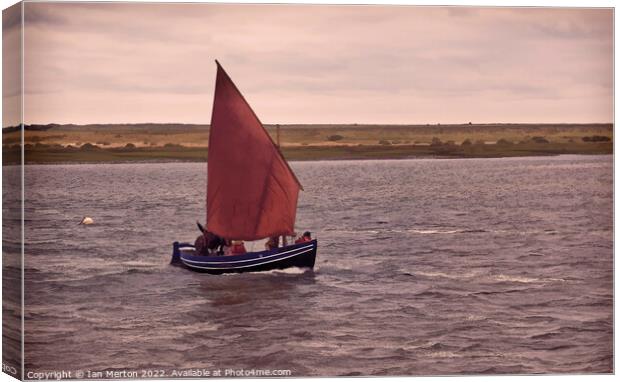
[{"x": 105, "y": 62}]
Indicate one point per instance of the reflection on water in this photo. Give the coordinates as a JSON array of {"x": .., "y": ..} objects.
[{"x": 424, "y": 267}]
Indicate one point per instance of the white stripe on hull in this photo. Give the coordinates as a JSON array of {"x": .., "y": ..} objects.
[
  {"x": 246, "y": 260},
  {"x": 245, "y": 266}
]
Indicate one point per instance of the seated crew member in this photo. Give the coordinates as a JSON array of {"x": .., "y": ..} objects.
[
  {"x": 304, "y": 238},
  {"x": 200, "y": 246},
  {"x": 237, "y": 247},
  {"x": 272, "y": 243},
  {"x": 225, "y": 249},
  {"x": 208, "y": 243}
]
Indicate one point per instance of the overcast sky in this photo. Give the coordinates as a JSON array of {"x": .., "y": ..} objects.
[{"x": 112, "y": 63}]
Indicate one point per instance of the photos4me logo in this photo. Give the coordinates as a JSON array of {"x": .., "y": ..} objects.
[{"x": 9, "y": 369}]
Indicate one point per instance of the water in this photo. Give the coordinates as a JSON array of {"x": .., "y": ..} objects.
[{"x": 424, "y": 267}]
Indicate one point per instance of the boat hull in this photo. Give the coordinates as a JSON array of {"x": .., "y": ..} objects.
[{"x": 300, "y": 255}]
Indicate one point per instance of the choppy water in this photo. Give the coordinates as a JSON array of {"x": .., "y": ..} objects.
[{"x": 424, "y": 267}]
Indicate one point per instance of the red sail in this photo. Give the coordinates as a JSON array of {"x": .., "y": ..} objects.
[{"x": 251, "y": 190}]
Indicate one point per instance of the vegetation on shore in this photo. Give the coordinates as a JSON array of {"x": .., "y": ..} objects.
[{"x": 153, "y": 142}]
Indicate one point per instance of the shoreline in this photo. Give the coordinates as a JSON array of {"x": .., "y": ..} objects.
[
  {"x": 60, "y": 156},
  {"x": 59, "y": 144}
]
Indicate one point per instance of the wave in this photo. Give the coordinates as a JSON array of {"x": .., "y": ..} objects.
[
  {"x": 474, "y": 317},
  {"x": 435, "y": 294},
  {"x": 458, "y": 276},
  {"x": 481, "y": 277},
  {"x": 287, "y": 271},
  {"x": 198, "y": 327},
  {"x": 524, "y": 279},
  {"x": 444, "y": 354},
  {"x": 432, "y": 231},
  {"x": 492, "y": 231},
  {"x": 440, "y": 231},
  {"x": 79, "y": 274},
  {"x": 445, "y": 231},
  {"x": 396, "y": 230}
]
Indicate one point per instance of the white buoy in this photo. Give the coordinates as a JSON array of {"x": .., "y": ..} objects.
[{"x": 86, "y": 220}]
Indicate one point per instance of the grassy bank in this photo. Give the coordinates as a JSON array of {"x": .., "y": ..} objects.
[
  {"x": 198, "y": 154},
  {"x": 126, "y": 143}
]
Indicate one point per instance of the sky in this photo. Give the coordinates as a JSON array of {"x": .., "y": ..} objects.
[{"x": 136, "y": 63}]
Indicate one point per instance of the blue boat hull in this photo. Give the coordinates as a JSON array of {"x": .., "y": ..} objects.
[{"x": 300, "y": 255}]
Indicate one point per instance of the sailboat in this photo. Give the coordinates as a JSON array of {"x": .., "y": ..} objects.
[{"x": 251, "y": 191}]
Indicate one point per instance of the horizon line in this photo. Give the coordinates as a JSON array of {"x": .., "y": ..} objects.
[{"x": 319, "y": 124}]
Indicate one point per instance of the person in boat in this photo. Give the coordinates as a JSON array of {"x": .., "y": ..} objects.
[
  {"x": 225, "y": 248},
  {"x": 307, "y": 236},
  {"x": 237, "y": 248},
  {"x": 272, "y": 243},
  {"x": 200, "y": 247},
  {"x": 208, "y": 244}
]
